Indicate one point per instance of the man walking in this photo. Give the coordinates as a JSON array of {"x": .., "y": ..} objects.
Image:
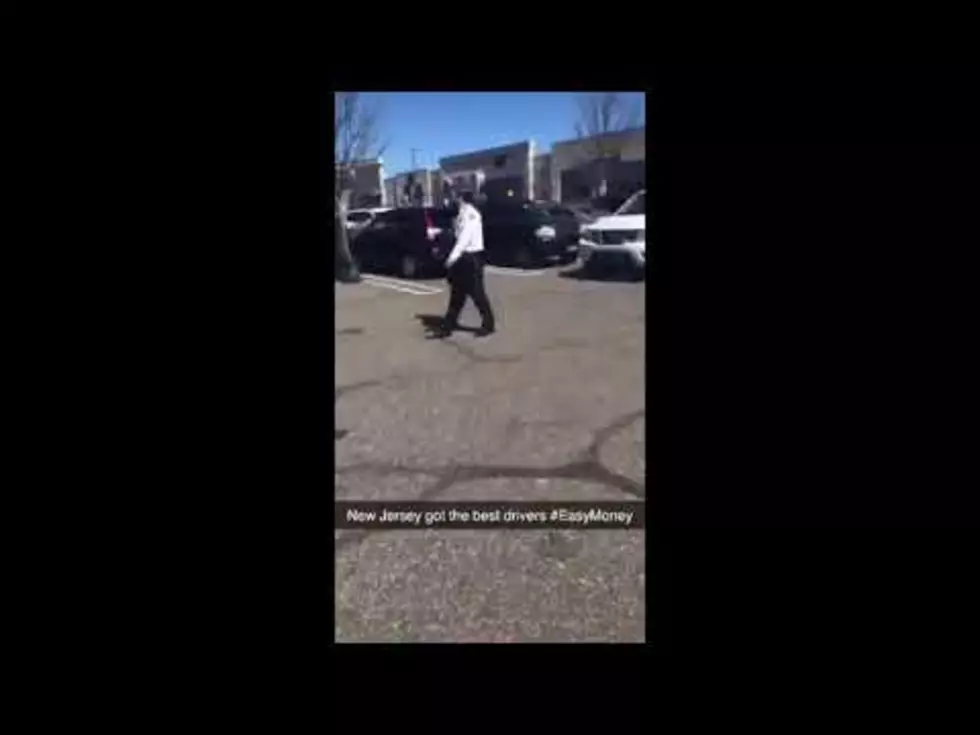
[{"x": 465, "y": 270}]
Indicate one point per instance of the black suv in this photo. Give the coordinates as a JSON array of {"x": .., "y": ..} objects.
[
  {"x": 529, "y": 234},
  {"x": 411, "y": 241}
]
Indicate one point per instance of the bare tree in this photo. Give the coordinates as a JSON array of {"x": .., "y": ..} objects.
[
  {"x": 356, "y": 137},
  {"x": 600, "y": 114}
]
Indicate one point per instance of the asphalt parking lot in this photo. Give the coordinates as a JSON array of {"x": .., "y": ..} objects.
[{"x": 551, "y": 407}]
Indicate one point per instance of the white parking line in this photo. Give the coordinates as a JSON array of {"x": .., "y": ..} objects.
[
  {"x": 415, "y": 285},
  {"x": 513, "y": 271},
  {"x": 416, "y": 289}
]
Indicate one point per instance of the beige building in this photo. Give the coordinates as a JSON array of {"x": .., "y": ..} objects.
[
  {"x": 496, "y": 172},
  {"x": 542, "y": 177},
  {"x": 368, "y": 184},
  {"x": 612, "y": 164},
  {"x": 424, "y": 190}
]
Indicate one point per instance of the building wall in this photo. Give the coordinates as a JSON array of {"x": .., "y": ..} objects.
[
  {"x": 395, "y": 187},
  {"x": 570, "y": 165},
  {"x": 542, "y": 177},
  {"x": 391, "y": 194},
  {"x": 573, "y": 160},
  {"x": 367, "y": 190},
  {"x": 509, "y": 165}
]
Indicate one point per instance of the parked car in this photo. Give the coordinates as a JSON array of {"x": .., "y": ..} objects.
[
  {"x": 528, "y": 234},
  {"x": 357, "y": 219},
  {"x": 619, "y": 238},
  {"x": 584, "y": 213},
  {"x": 410, "y": 241},
  {"x": 589, "y": 210}
]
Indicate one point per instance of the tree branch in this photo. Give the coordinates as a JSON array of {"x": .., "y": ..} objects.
[
  {"x": 602, "y": 113},
  {"x": 356, "y": 134}
]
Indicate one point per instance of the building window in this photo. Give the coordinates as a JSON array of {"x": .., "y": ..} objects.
[{"x": 500, "y": 161}]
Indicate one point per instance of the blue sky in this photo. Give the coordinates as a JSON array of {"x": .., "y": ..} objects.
[{"x": 440, "y": 124}]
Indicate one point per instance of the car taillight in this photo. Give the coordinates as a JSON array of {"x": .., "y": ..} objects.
[{"x": 431, "y": 231}]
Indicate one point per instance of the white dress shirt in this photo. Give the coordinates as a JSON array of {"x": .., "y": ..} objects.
[{"x": 469, "y": 233}]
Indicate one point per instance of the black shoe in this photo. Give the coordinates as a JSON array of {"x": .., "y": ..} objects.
[{"x": 484, "y": 332}]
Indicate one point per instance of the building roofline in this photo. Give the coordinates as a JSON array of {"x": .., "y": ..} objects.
[
  {"x": 504, "y": 147},
  {"x": 611, "y": 133},
  {"x": 414, "y": 171},
  {"x": 362, "y": 162}
]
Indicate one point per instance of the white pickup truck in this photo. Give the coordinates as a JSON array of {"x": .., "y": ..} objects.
[{"x": 619, "y": 236}]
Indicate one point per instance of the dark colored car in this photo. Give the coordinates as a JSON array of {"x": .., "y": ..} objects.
[
  {"x": 529, "y": 234},
  {"x": 589, "y": 210},
  {"x": 411, "y": 242}
]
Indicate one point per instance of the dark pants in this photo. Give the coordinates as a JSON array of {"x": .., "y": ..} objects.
[{"x": 466, "y": 279}]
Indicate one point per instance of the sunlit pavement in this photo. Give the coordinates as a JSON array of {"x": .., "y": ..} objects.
[{"x": 549, "y": 408}]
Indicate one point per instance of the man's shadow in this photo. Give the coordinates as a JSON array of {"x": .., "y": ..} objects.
[{"x": 433, "y": 324}]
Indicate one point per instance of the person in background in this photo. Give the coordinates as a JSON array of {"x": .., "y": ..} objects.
[{"x": 465, "y": 271}]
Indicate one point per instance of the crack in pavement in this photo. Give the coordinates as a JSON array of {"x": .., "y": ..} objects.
[
  {"x": 343, "y": 389},
  {"x": 587, "y": 467},
  {"x": 473, "y": 356},
  {"x": 561, "y": 343},
  {"x": 469, "y": 352},
  {"x": 604, "y": 434}
]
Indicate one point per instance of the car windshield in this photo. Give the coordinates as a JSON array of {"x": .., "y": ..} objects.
[
  {"x": 534, "y": 210},
  {"x": 549, "y": 208},
  {"x": 636, "y": 204}
]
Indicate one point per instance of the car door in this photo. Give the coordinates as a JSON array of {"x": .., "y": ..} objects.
[
  {"x": 371, "y": 243},
  {"x": 494, "y": 231},
  {"x": 565, "y": 222},
  {"x": 444, "y": 219},
  {"x": 398, "y": 236}
]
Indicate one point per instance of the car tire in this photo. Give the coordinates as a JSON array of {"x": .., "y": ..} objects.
[
  {"x": 350, "y": 273},
  {"x": 408, "y": 266}
]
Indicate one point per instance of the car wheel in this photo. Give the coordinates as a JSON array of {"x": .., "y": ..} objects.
[
  {"x": 350, "y": 273},
  {"x": 409, "y": 266}
]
